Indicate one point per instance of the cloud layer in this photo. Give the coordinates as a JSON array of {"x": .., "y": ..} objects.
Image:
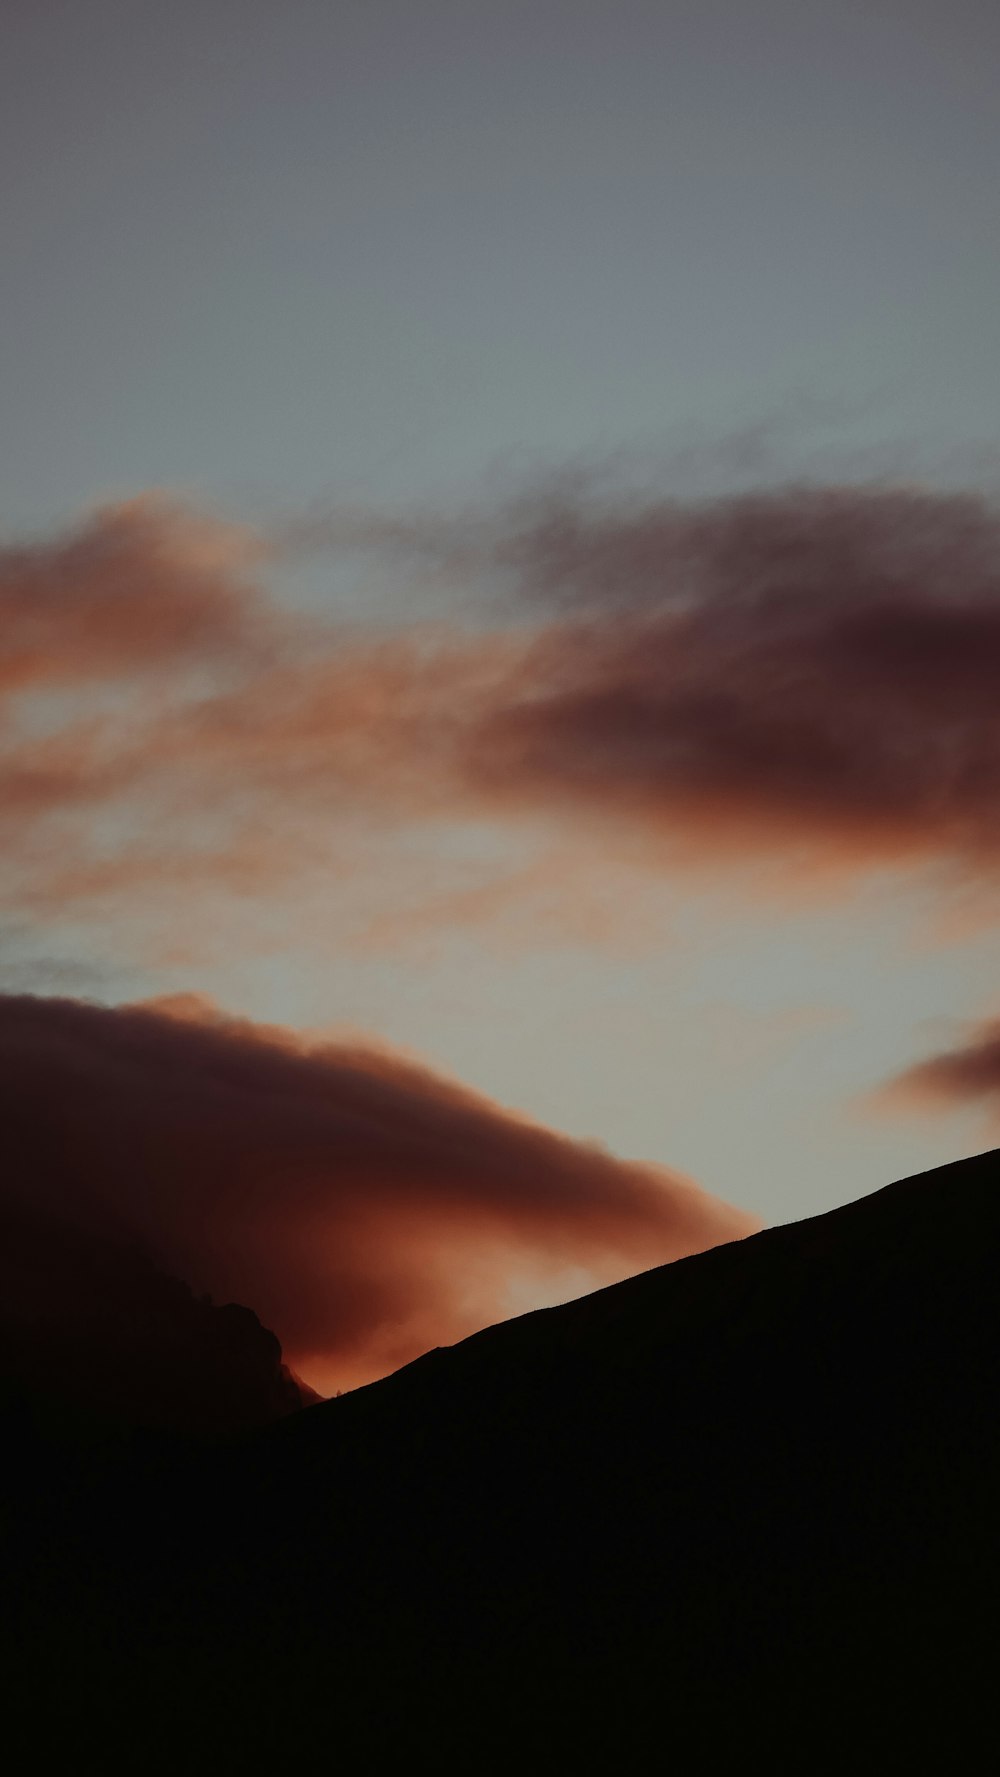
[
  {"x": 363, "y": 1207},
  {"x": 968, "y": 1074},
  {"x": 813, "y": 668},
  {"x": 805, "y": 677}
]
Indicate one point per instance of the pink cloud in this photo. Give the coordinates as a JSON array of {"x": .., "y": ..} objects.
[
  {"x": 364, "y": 1207},
  {"x": 805, "y": 679}
]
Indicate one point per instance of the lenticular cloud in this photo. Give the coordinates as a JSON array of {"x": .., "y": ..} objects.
[{"x": 364, "y": 1208}]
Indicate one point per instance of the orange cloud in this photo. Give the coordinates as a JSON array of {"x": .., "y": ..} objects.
[
  {"x": 968, "y": 1074},
  {"x": 136, "y": 587},
  {"x": 807, "y": 669},
  {"x": 805, "y": 678},
  {"x": 364, "y": 1207}
]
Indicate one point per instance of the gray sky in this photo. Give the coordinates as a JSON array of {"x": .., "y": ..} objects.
[
  {"x": 397, "y": 251},
  {"x": 388, "y": 246}
]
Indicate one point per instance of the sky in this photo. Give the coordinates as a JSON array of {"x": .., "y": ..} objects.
[{"x": 500, "y": 583}]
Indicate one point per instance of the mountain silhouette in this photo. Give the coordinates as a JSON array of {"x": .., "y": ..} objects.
[
  {"x": 740, "y": 1507},
  {"x": 95, "y": 1336}
]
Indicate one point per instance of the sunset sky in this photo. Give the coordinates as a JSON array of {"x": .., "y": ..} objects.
[{"x": 500, "y": 602}]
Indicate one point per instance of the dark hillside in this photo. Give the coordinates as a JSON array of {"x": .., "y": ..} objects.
[{"x": 742, "y": 1504}]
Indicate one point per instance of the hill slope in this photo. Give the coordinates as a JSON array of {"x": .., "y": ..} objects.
[{"x": 745, "y": 1501}]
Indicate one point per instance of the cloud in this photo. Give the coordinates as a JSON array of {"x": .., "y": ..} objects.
[
  {"x": 812, "y": 669},
  {"x": 802, "y": 680},
  {"x": 968, "y": 1074},
  {"x": 365, "y": 1208},
  {"x": 805, "y": 669},
  {"x": 135, "y": 588}
]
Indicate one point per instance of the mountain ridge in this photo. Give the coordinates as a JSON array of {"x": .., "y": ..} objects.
[
  {"x": 743, "y": 1504},
  {"x": 723, "y": 1264}
]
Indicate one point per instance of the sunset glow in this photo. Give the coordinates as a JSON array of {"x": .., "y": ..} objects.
[{"x": 499, "y": 638}]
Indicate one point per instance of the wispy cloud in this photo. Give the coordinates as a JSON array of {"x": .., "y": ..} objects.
[
  {"x": 798, "y": 680},
  {"x": 966, "y": 1075}
]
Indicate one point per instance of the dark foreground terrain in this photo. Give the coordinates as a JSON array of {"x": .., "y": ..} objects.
[{"x": 742, "y": 1508}]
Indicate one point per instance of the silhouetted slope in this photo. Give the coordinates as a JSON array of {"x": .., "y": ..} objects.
[
  {"x": 93, "y": 1334},
  {"x": 742, "y": 1504}
]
